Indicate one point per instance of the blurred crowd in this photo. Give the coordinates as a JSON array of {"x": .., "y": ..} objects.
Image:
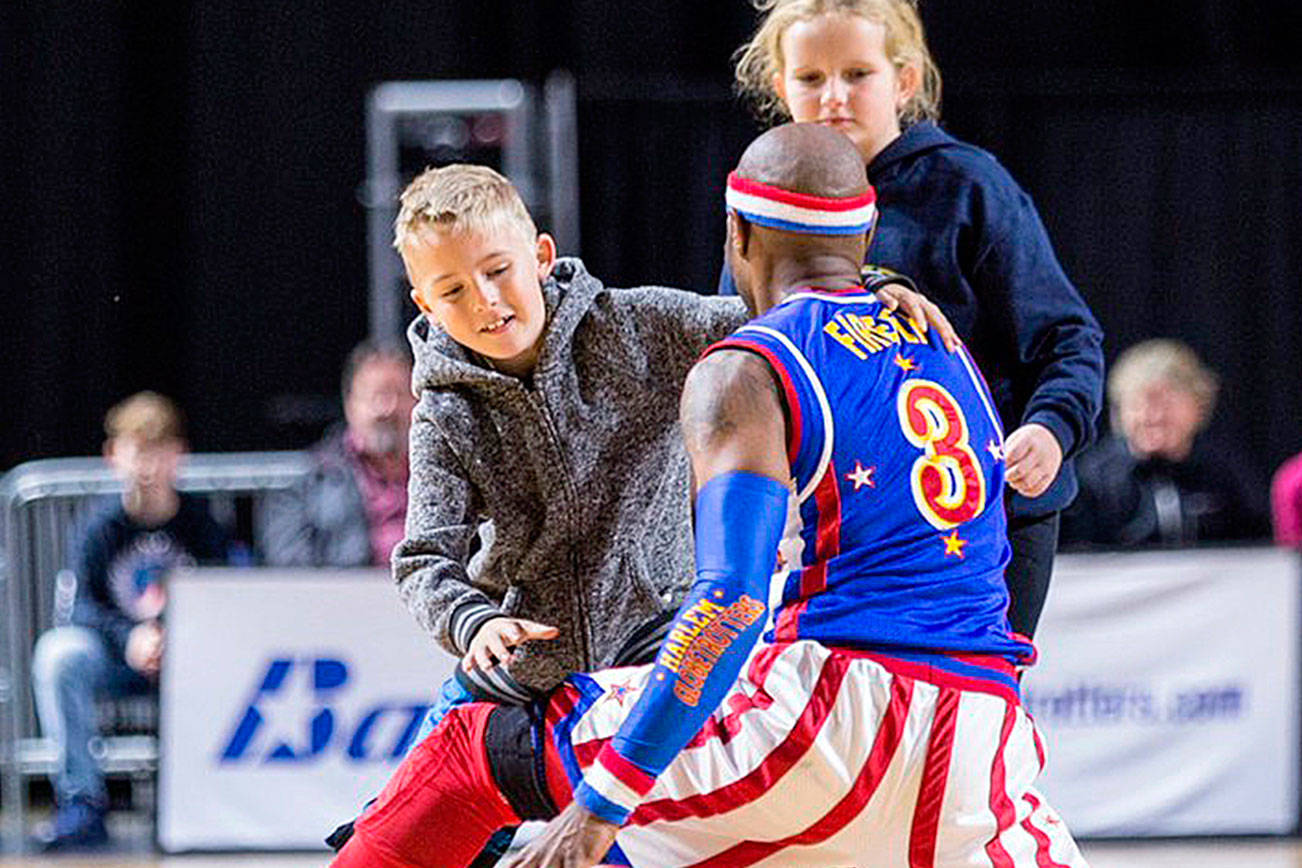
[{"x": 348, "y": 511}]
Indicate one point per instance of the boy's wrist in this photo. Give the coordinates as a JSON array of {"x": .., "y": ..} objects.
[{"x": 468, "y": 619}]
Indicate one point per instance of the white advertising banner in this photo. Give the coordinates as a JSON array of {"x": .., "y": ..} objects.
[
  {"x": 287, "y": 699},
  {"x": 1168, "y": 692}
]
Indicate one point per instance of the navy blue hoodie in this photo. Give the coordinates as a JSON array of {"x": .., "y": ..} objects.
[{"x": 955, "y": 221}]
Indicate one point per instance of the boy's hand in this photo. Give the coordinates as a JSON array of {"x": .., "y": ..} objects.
[
  {"x": 1033, "y": 458},
  {"x": 921, "y": 310},
  {"x": 494, "y": 640},
  {"x": 144, "y": 651}
]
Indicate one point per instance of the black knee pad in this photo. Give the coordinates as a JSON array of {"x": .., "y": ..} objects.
[{"x": 514, "y": 740}]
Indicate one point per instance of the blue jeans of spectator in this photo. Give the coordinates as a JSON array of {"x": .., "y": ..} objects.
[{"x": 70, "y": 666}]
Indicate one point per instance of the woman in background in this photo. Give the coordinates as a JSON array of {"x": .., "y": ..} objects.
[{"x": 1156, "y": 481}]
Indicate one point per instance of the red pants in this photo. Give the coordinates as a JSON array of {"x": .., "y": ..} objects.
[{"x": 442, "y": 804}]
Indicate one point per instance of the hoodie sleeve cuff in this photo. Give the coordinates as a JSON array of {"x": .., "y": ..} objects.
[
  {"x": 466, "y": 620},
  {"x": 1058, "y": 427}
]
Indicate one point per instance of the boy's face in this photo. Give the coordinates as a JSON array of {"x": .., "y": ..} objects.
[
  {"x": 146, "y": 466},
  {"x": 484, "y": 290}
]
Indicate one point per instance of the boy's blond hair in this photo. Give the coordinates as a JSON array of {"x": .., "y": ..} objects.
[
  {"x": 147, "y": 416},
  {"x": 1162, "y": 360},
  {"x": 460, "y": 198},
  {"x": 906, "y": 45}
]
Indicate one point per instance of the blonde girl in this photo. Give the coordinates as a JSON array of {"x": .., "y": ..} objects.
[{"x": 955, "y": 221}]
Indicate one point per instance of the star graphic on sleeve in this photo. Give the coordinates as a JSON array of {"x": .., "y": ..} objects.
[
  {"x": 905, "y": 364},
  {"x": 619, "y": 692},
  {"x": 996, "y": 450},
  {"x": 954, "y": 545},
  {"x": 862, "y": 476}
]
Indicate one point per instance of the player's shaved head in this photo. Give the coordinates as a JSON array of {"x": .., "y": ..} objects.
[
  {"x": 813, "y": 161},
  {"x": 806, "y": 158}
]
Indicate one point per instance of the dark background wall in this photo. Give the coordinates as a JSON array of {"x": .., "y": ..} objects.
[{"x": 178, "y": 182}]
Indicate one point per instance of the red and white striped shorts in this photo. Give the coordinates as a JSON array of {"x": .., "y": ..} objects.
[{"x": 820, "y": 756}]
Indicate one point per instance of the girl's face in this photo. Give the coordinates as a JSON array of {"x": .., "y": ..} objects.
[{"x": 836, "y": 73}]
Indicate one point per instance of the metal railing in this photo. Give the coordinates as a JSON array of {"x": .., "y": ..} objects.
[{"x": 42, "y": 503}]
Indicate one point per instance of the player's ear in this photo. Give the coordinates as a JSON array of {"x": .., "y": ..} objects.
[{"x": 738, "y": 234}]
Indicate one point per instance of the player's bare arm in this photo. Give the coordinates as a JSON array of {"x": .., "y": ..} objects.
[{"x": 733, "y": 418}]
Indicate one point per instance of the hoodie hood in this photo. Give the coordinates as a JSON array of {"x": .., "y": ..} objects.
[
  {"x": 440, "y": 361},
  {"x": 916, "y": 138}
]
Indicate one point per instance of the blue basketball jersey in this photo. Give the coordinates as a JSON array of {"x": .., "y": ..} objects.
[{"x": 896, "y": 540}]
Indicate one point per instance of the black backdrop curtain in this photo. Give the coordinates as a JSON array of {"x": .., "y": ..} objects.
[{"x": 178, "y": 182}]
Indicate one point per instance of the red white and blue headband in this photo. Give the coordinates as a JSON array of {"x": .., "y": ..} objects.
[{"x": 775, "y": 208}]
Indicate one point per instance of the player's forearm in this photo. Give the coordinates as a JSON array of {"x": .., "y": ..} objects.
[
  {"x": 672, "y": 710},
  {"x": 740, "y": 517}
]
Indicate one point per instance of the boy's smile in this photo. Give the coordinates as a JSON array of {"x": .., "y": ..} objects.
[{"x": 484, "y": 288}]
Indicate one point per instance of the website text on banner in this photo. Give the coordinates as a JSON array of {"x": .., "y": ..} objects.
[{"x": 1167, "y": 692}]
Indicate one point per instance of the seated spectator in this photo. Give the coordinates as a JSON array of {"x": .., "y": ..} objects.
[
  {"x": 352, "y": 508},
  {"x": 1286, "y": 502},
  {"x": 114, "y": 644},
  {"x": 1156, "y": 480}
]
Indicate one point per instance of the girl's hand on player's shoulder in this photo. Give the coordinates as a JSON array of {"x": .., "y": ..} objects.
[
  {"x": 921, "y": 310},
  {"x": 493, "y": 643}
]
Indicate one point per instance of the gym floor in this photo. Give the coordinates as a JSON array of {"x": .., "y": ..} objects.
[{"x": 1217, "y": 853}]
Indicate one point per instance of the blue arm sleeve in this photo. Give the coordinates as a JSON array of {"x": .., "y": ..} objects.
[{"x": 739, "y": 521}]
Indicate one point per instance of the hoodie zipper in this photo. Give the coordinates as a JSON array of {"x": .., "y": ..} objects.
[{"x": 567, "y": 476}]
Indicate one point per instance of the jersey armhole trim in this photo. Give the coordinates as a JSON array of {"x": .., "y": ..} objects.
[{"x": 786, "y": 389}]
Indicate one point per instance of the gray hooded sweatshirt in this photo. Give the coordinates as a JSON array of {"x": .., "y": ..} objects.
[{"x": 562, "y": 497}]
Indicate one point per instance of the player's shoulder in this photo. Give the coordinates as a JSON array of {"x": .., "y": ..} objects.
[{"x": 727, "y": 386}]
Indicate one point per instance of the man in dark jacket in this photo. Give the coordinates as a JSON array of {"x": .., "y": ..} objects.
[{"x": 351, "y": 509}]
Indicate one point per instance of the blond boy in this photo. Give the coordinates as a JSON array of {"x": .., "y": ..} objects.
[{"x": 115, "y": 642}]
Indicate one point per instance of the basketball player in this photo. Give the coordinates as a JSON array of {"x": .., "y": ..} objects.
[{"x": 877, "y": 723}]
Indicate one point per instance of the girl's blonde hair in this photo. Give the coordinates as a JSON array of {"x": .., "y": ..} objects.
[{"x": 906, "y": 45}]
